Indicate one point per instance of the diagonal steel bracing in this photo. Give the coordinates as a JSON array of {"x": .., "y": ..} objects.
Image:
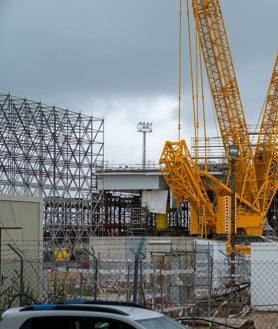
[{"x": 53, "y": 153}]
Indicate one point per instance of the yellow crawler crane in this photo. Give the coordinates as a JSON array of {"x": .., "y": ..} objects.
[{"x": 255, "y": 180}]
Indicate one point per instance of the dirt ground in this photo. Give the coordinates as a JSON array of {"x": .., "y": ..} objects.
[
  {"x": 265, "y": 320},
  {"x": 261, "y": 321}
]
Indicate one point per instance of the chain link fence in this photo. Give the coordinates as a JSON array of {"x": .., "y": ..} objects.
[{"x": 197, "y": 287}]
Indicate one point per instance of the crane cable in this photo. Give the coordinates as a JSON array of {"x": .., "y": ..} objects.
[
  {"x": 203, "y": 111},
  {"x": 191, "y": 75},
  {"x": 196, "y": 108},
  {"x": 180, "y": 68},
  {"x": 195, "y": 95}
]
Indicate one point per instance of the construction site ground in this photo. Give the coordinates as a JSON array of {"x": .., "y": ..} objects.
[{"x": 261, "y": 320}]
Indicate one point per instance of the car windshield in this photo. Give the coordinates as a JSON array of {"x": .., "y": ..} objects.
[{"x": 161, "y": 323}]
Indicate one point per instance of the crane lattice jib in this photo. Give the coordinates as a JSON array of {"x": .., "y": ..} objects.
[
  {"x": 266, "y": 154},
  {"x": 182, "y": 176},
  {"x": 225, "y": 92}
]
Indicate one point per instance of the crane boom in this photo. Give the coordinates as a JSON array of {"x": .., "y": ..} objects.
[
  {"x": 225, "y": 93},
  {"x": 266, "y": 153},
  {"x": 182, "y": 176}
]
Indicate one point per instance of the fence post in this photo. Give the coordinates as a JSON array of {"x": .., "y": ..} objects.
[
  {"x": 96, "y": 271},
  {"x": 21, "y": 284},
  {"x": 136, "y": 268}
]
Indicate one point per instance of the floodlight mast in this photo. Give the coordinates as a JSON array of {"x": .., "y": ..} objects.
[{"x": 144, "y": 127}]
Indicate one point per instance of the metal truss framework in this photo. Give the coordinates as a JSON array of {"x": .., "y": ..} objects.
[
  {"x": 124, "y": 215},
  {"x": 53, "y": 153}
]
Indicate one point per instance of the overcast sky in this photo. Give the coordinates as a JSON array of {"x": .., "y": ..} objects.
[{"x": 118, "y": 60}]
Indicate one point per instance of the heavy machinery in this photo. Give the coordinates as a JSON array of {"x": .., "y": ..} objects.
[{"x": 239, "y": 204}]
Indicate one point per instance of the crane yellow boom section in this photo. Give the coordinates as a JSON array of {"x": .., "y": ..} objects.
[
  {"x": 182, "y": 176},
  {"x": 225, "y": 93},
  {"x": 266, "y": 153}
]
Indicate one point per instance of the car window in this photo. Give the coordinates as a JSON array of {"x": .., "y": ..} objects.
[
  {"x": 162, "y": 322},
  {"x": 51, "y": 323},
  {"x": 103, "y": 323},
  {"x": 55, "y": 322}
]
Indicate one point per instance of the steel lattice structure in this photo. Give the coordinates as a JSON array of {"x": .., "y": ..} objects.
[{"x": 53, "y": 153}]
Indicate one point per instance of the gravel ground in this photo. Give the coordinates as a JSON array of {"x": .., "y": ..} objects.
[
  {"x": 261, "y": 321},
  {"x": 265, "y": 320}
]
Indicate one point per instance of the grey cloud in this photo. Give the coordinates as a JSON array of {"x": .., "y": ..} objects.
[{"x": 105, "y": 56}]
